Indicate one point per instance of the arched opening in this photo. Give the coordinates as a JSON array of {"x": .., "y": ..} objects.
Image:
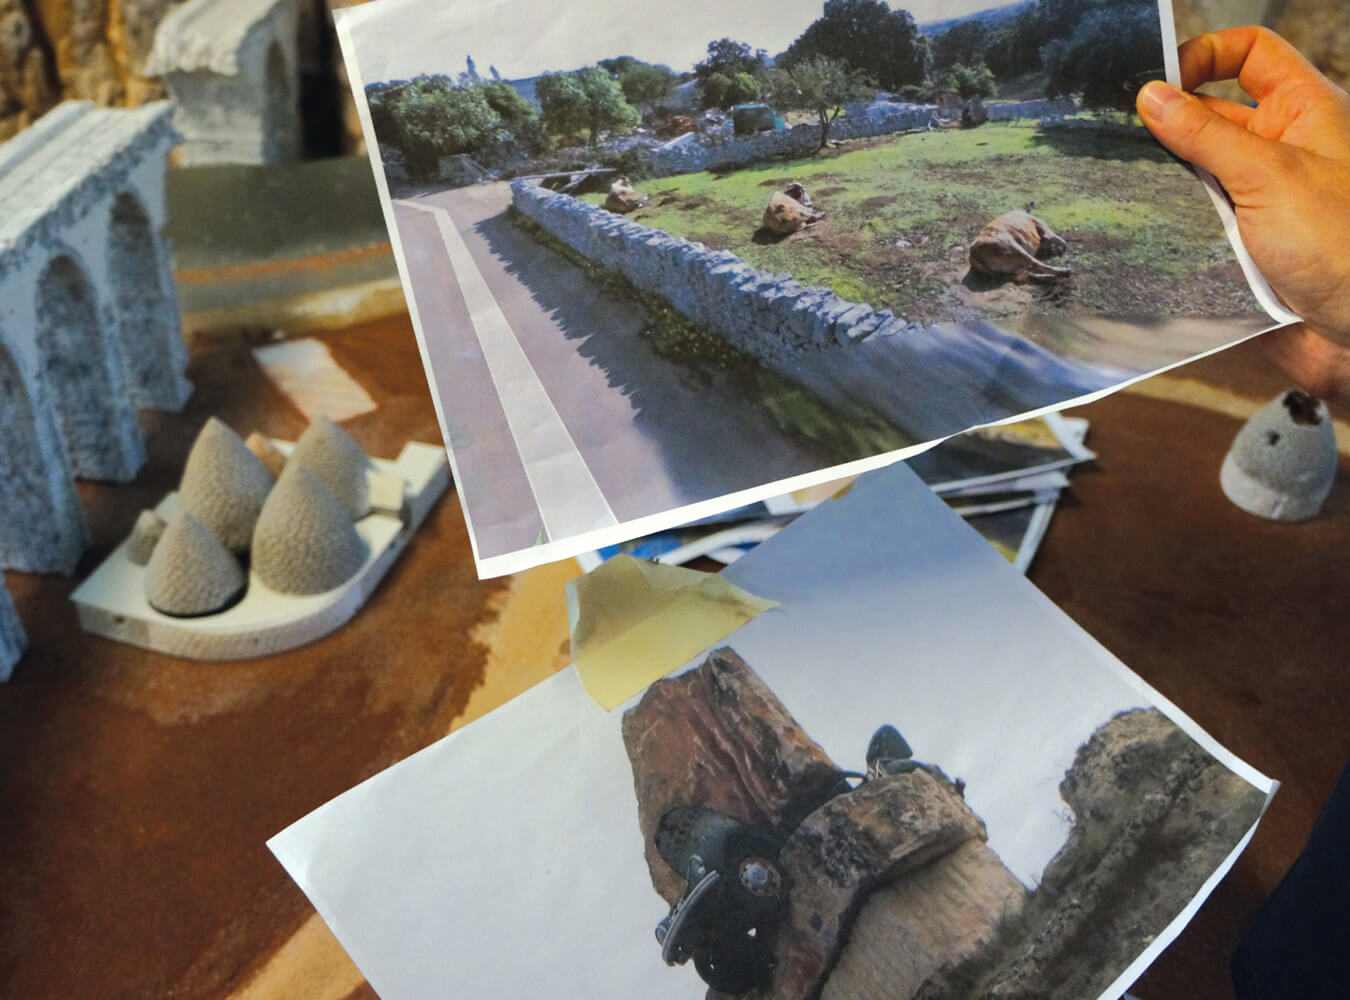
[
  {"x": 82, "y": 379},
  {"x": 147, "y": 320},
  {"x": 280, "y": 140},
  {"x": 41, "y": 528}
]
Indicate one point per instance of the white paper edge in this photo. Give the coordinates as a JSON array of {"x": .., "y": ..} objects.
[
  {"x": 575, "y": 545},
  {"x": 1035, "y": 534}
]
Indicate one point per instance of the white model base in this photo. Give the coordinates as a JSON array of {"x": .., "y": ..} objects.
[{"x": 112, "y": 601}]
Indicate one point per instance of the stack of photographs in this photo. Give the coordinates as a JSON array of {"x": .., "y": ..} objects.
[{"x": 1004, "y": 481}]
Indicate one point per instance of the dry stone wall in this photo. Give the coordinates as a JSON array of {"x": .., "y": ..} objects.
[
  {"x": 724, "y": 152},
  {"x": 843, "y": 353},
  {"x": 765, "y": 315},
  {"x": 1007, "y": 111}
]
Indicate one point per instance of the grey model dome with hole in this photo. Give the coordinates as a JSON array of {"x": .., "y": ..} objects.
[
  {"x": 1283, "y": 462},
  {"x": 305, "y": 543},
  {"x": 192, "y": 572},
  {"x": 224, "y": 485},
  {"x": 338, "y": 462},
  {"x": 145, "y": 535}
]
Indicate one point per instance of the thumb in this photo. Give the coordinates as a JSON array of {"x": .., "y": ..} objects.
[{"x": 1241, "y": 160}]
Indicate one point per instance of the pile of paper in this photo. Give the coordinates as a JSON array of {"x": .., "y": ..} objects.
[{"x": 1004, "y": 481}]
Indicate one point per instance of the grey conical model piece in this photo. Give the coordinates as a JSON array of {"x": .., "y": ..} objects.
[
  {"x": 224, "y": 485},
  {"x": 145, "y": 535},
  {"x": 305, "y": 542},
  {"x": 191, "y": 571},
  {"x": 338, "y": 462},
  {"x": 1283, "y": 462}
]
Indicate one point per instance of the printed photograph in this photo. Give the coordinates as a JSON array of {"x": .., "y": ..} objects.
[
  {"x": 912, "y": 778},
  {"x": 790, "y": 875},
  {"x": 658, "y": 261}
]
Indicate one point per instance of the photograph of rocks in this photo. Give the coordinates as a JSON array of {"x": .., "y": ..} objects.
[
  {"x": 649, "y": 272},
  {"x": 790, "y": 877}
]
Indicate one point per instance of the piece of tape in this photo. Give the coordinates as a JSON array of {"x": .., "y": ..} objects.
[{"x": 635, "y": 621}]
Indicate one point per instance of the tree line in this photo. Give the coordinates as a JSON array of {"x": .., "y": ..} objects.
[{"x": 1100, "y": 50}]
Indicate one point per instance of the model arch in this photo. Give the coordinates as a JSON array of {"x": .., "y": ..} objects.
[
  {"x": 148, "y": 330},
  {"x": 82, "y": 376}
]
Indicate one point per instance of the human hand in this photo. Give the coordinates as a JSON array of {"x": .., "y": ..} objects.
[{"x": 1286, "y": 166}]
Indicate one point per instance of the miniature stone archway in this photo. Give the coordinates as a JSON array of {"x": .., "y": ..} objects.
[
  {"x": 232, "y": 68},
  {"x": 148, "y": 329},
  {"x": 83, "y": 376},
  {"x": 42, "y": 529},
  {"x": 67, "y": 408}
]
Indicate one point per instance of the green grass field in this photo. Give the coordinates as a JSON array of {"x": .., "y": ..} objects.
[{"x": 1144, "y": 239}]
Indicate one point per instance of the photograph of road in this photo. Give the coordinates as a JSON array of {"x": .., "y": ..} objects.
[{"x": 660, "y": 274}]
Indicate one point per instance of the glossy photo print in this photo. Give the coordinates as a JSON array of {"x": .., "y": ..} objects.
[
  {"x": 657, "y": 274},
  {"x": 913, "y": 777}
]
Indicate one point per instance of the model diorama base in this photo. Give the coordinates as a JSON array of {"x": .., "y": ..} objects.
[{"x": 112, "y": 601}]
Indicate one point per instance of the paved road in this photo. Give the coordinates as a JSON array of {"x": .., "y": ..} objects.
[{"x": 531, "y": 356}]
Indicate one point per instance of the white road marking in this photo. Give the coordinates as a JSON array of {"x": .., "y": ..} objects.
[{"x": 569, "y": 499}]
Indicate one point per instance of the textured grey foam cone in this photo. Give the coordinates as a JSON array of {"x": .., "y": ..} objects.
[
  {"x": 191, "y": 571},
  {"x": 224, "y": 485},
  {"x": 145, "y": 535},
  {"x": 1283, "y": 462},
  {"x": 338, "y": 462},
  {"x": 305, "y": 542}
]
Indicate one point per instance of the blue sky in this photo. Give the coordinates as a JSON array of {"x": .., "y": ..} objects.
[{"x": 402, "y": 38}]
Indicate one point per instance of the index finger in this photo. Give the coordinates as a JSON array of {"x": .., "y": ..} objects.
[{"x": 1257, "y": 58}]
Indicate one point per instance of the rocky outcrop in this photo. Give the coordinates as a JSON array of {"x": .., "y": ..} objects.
[
  {"x": 92, "y": 50},
  {"x": 27, "y": 78},
  {"x": 902, "y": 855},
  {"x": 926, "y": 923},
  {"x": 882, "y": 831},
  {"x": 1154, "y": 816},
  {"x": 718, "y": 737}
]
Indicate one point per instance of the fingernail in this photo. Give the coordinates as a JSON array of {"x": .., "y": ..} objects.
[{"x": 1157, "y": 99}]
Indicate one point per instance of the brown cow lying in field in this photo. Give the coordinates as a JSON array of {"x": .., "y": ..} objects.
[
  {"x": 1012, "y": 246},
  {"x": 623, "y": 197},
  {"x": 790, "y": 211}
]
